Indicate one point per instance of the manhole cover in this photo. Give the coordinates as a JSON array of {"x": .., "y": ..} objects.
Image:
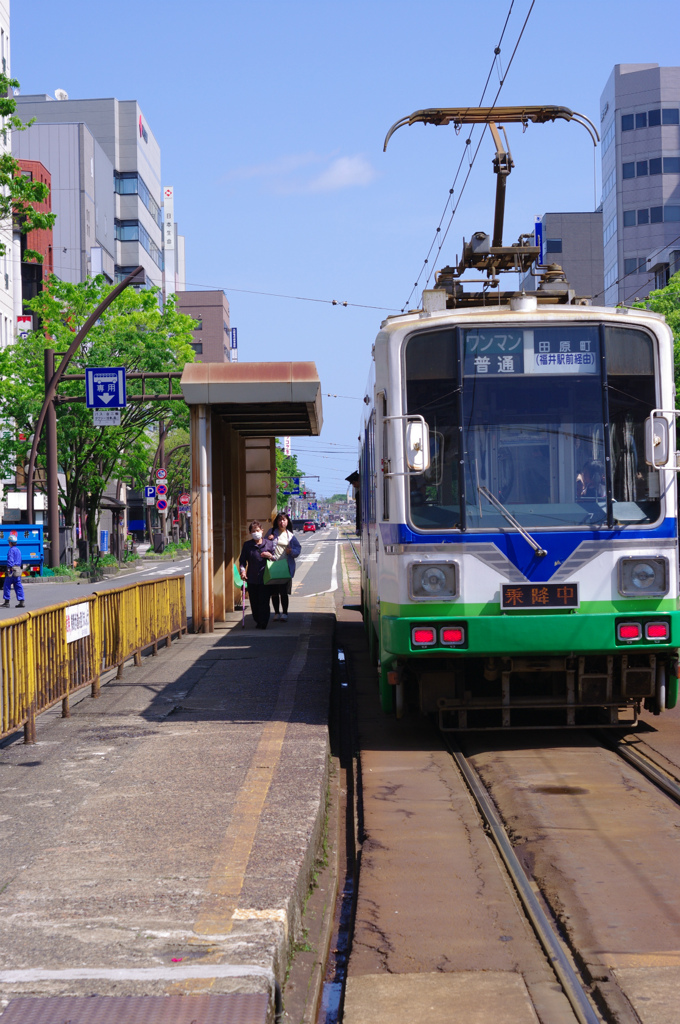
[{"x": 234, "y": 1008}]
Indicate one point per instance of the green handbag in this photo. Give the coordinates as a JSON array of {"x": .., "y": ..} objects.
[{"x": 277, "y": 572}]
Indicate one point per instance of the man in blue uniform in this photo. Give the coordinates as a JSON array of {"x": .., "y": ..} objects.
[{"x": 13, "y": 573}]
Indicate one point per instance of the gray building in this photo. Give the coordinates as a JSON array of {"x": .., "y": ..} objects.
[
  {"x": 134, "y": 160},
  {"x": 640, "y": 129},
  {"x": 82, "y": 196},
  {"x": 574, "y": 240},
  {"x": 210, "y": 310}
]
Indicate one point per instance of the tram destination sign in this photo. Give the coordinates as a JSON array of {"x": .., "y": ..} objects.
[{"x": 539, "y": 595}]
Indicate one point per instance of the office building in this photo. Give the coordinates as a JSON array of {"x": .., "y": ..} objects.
[
  {"x": 41, "y": 240},
  {"x": 105, "y": 139},
  {"x": 212, "y": 335},
  {"x": 574, "y": 241},
  {"x": 640, "y": 129}
]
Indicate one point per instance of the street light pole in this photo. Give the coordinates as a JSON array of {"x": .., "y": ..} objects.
[
  {"x": 136, "y": 277},
  {"x": 52, "y": 467}
]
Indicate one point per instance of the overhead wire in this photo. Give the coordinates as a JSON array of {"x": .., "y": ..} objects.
[
  {"x": 633, "y": 272},
  {"x": 471, "y": 161}
]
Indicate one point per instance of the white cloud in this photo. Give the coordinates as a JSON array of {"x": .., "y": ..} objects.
[
  {"x": 280, "y": 167},
  {"x": 344, "y": 172}
]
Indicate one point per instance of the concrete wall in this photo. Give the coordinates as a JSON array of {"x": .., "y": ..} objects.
[{"x": 211, "y": 309}]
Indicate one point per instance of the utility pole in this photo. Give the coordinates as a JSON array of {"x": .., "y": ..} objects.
[
  {"x": 52, "y": 465},
  {"x": 161, "y": 464}
]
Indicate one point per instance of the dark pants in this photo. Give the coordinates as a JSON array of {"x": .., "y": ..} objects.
[
  {"x": 280, "y": 592},
  {"x": 259, "y": 603}
]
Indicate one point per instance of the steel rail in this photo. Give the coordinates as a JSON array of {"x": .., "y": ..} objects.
[
  {"x": 354, "y": 552},
  {"x": 552, "y": 946},
  {"x": 645, "y": 766}
]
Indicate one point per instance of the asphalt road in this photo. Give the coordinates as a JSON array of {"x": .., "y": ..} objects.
[{"x": 42, "y": 594}]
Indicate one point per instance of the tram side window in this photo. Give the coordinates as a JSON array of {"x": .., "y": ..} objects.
[
  {"x": 432, "y": 391},
  {"x": 632, "y": 396}
]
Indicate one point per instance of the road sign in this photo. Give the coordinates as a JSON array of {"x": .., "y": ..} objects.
[
  {"x": 150, "y": 492},
  {"x": 105, "y": 387},
  {"x": 312, "y": 506},
  {"x": 151, "y": 501},
  {"x": 161, "y": 504},
  {"x": 161, "y": 474},
  {"x": 185, "y": 499},
  {"x": 106, "y": 417},
  {"x": 161, "y": 490}
]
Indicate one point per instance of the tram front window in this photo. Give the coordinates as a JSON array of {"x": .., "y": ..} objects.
[{"x": 532, "y": 410}]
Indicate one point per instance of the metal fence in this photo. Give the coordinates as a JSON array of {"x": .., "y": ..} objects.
[{"x": 42, "y": 663}]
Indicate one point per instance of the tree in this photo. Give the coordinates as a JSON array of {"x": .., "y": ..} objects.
[
  {"x": 667, "y": 301},
  {"x": 133, "y": 332},
  {"x": 338, "y": 497},
  {"x": 286, "y": 468},
  {"x": 18, "y": 195}
]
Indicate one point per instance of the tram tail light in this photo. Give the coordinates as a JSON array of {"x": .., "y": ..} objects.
[
  {"x": 452, "y": 636},
  {"x": 423, "y": 636},
  {"x": 657, "y": 631},
  {"x": 629, "y": 631}
]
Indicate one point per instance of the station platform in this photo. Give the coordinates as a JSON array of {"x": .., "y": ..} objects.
[{"x": 161, "y": 840}]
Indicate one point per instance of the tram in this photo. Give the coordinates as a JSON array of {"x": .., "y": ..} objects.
[{"x": 518, "y": 506}]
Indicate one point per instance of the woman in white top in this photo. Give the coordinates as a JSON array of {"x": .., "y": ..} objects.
[{"x": 285, "y": 544}]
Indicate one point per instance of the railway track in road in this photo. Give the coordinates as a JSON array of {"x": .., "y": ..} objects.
[{"x": 596, "y": 907}]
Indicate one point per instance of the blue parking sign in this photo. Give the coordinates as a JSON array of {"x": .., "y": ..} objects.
[{"x": 105, "y": 387}]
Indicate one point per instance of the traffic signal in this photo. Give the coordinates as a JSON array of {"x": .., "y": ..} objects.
[{"x": 304, "y": 494}]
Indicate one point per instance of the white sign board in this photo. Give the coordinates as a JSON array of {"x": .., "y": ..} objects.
[
  {"x": 106, "y": 417},
  {"x": 77, "y": 621},
  {"x": 150, "y": 501}
]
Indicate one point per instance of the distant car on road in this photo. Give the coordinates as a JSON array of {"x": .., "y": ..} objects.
[
  {"x": 309, "y": 528},
  {"x": 322, "y": 525}
]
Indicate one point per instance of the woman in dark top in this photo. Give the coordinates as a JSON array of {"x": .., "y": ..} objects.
[{"x": 252, "y": 563}]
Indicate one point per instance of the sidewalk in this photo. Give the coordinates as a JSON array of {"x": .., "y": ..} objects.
[{"x": 162, "y": 840}]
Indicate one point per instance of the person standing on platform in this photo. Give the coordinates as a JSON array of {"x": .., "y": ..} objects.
[
  {"x": 252, "y": 563},
  {"x": 13, "y": 573},
  {"x": 286, "y": 545}
]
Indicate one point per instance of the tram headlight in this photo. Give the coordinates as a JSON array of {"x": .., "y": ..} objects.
[
  {"x": 433, "y": 580},
  {"x": 643, "y": 576}
]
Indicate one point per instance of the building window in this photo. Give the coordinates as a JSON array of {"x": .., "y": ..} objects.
[
  {"x": 643, "y": 216},
  {"x": 641, "y": 120},
  {"x": 628, "y": 170},
  {"x": 120, "y": 273},
  {"x": 197, "y": 347},
  {"x": 198, "y": 324},
  {"x": 127, "y": 230},
  {"x": 609, "y": 231},
  {"x": 608, "y": 137},
  {"x": 554, "y": 245},
  {"x": 129, "y": 183},
  {"x": 641, "y": 168},
  {"x": 671, "y": 214},
  {"x": 608, "y": 185},
  {"x": 635, "y": 265},
  {"x": 671, "y": 165},
  {"x": 611, "y": 275},
  {"x": 655, "y": 166},
  {"x": 629, "y": 218},
  {"x": 656, "y": 215},
  {"x": 670, "y": 116},
  {"x": 627, "y": 122},
  {"x": 654, "y": 118}
]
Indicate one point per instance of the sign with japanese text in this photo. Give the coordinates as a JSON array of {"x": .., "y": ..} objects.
[
  {"x": 106, "y": 417},
  {"x": 77, "y": 621},
  {"x": 24, "y": 325},
  {"x": 539, "y": 595},
  {"x": 168, "y": 217},
  {"x": 566, "y": 355},
  {"x": 105, "y": 387},
  {"x": 493, "y": 353}
]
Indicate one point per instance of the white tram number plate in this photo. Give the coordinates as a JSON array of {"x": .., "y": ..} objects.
[{"x": 539, "y": 595}]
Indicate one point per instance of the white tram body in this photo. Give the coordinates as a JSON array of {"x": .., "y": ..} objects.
[{"x": 519, "y": 553}]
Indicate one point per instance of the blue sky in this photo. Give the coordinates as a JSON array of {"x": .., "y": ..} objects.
[{"x": 271, "y": 119}]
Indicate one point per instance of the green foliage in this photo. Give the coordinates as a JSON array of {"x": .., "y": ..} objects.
[
  {"x": 133, "y": 332},
  {"x": 667, "y": 302},
  {"x": 338, "y": 497},
  {"x": 286, "y": 468},
  {"x": 18, "y": 195},
  {"x": 177, "y": 548},
  {"x": 63, "y": 570}
]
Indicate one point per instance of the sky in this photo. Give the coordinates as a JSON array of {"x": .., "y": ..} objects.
[{"x": 271, "y": 119}]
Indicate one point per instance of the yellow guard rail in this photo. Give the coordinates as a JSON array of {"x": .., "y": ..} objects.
[{"x": 47, "y": 655}]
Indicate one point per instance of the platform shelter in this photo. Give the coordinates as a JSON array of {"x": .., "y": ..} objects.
[{"x": 237, "y": 412}]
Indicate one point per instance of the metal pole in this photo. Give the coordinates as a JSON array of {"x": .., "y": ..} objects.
[
  {"x": 161, "y": 458},
  {"x": 203, "y": 502},
  {"x": 52, "y": 467}
]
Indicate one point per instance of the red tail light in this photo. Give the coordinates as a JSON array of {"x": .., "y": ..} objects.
[
  {"x": 629, "y": 631},
  {"x": 657, "y": 631},
  {"x": 424, "y": 636},
  {"x": 452, "y": 635}
]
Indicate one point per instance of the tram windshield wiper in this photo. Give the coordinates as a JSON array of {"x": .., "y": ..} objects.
[{"x": 493, "y": 500}]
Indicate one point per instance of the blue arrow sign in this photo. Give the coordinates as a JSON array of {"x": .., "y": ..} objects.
[{"x": 105, "y": 387}]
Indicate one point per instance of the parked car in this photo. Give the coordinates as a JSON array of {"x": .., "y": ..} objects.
[{"x": 309, "y": 528}]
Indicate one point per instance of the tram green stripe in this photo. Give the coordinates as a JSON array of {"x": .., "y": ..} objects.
[
  {"x": 451, "y": 609},
  {"x": 520, "y": 633}
]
